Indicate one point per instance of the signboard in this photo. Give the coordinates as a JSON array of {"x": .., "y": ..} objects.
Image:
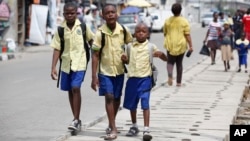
[{"x": 38, "y": 24}]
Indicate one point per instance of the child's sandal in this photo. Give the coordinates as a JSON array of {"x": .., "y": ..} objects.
[{"x": 110, "y": 136}]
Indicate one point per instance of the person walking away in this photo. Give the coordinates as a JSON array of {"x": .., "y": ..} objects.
[
  {"x": 237, "y": 27},
  {"x": 176, "y": 42},
  {"x": 242, "y": 48},
  {"x": 107, "y": 58},
  {"x": 226, "y": 35},
  {"x": 212, "y": 35},
  {"x": 231, "y": 25},
  {"x": 149, "y": 22},
  {"x": 138, "y": 85},
  {"x": 221, "y": 19},
  {"x": 246, "y": 24},
  {"x": 74, "y": 63},
  {"x": 89, "y": 20}
]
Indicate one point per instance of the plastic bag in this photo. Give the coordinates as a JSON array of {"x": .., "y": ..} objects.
[{"x": 204, "y": 50}]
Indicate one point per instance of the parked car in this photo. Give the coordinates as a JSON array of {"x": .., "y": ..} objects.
[
  {"x": 206, "y": 19},
  {"x": 130, "y": 21},
  {"x": 159, "y": 18}
]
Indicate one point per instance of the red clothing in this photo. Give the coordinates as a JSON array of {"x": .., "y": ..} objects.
[{"x": 246, "y": 22}]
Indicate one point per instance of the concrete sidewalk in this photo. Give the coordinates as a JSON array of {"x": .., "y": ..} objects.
[{"x": 201, "y": 110}]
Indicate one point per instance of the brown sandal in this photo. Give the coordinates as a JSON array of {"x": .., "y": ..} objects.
[{"x": 110, "y": 136}]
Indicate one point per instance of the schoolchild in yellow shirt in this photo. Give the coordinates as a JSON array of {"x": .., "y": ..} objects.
[
  {"x": 74, "y": 62},
  {"x": 138, "y": 85},
  {"x": 107, "y": 66}
]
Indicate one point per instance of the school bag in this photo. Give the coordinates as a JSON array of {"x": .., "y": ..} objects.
[
  {"x": 86, "y": 46},
  {"x": 103, "y": 44},
  {"x": 153, "y": 67}
]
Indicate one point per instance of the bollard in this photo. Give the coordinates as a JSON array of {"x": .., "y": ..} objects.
[
  {"x": 4, "y": 52},
  {"x": 4, "y": 49}
]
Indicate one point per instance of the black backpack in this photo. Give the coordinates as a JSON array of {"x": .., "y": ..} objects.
[{"x": 86, "y": 45}]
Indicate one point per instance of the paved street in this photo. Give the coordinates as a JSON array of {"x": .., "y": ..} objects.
[
  {"x": 32, "y": 108},
  {"x": 202, "y": 110}
]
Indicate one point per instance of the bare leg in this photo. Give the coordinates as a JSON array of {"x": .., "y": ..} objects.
[
  {"x": 76, "y": 102},
  {"x": 146, "y": 116},
  {"x": 109, "y": 105},
  {"x": 133, "y": 116},
  {"x": 225, "y": 65},
  {"x": 213, "y": 55},
  {"x": 71, "y": 102},
  {"x": 117, "y": 103}
]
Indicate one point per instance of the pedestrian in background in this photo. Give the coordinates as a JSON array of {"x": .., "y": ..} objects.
[
  {"x": 242, "y": 48},
  {"x": 237, "y": 26},
  {"x": 177, "y": 39},
  {"x": 212, "y": 37},
  {"x": 107, "y": 59},
  {"x": 89, "y": 20},
  {"x": 74, "y": 63},
  {"x": 226, "y": 53},
  {"x": 139, "y": 81},
  {"x": 246, "y": 23}
]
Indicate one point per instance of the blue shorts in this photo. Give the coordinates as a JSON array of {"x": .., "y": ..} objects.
[
  {"x": 111, "y": 85},
  {"x": 73, "y": 79},
  {"x": 137, "y": 89}
]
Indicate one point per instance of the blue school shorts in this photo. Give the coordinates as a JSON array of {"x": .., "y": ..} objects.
[
  {"x": 111, "y": 85},
  {"x": 137, "y": 89},
  {"x": 73, "y": 79}
]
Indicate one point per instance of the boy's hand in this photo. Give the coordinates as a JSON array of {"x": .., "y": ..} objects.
[
  {"x": 157, "y": 54},
  {"x": 161, "y": 55},
  {"x": 124, "y": 58},
  {"x": 94, "y": 83},
  {"x": 54, "y": 74}
]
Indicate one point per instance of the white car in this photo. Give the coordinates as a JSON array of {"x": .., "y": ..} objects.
[
  {"x": 206, "y": 19},
  {"x": 159, "y": 18}
]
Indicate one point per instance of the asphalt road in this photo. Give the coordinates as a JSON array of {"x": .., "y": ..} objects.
[{"x": 33, "y": 109}]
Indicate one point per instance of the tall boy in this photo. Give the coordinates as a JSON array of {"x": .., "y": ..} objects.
[
  {"x": 139, "y": 84},
  {"x": 107, "y": 64},
  {"x": 74, "y": 62}
]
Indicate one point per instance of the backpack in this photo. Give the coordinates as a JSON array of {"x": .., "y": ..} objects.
[
  {"x": 153, "y": 67},
  {"x": 86, "y": 45},
  {"x": 103, "y": 44}
]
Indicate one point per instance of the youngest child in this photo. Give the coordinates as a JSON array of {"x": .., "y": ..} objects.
[{"x": 139, "y": 83}]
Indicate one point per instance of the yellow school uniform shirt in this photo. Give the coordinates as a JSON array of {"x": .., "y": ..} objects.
[
  {"x": 174, "y": 30},
  {"x": 110, "y": 61},
  {"x": 74, "y": 55},
  {"x": 139, "y": 59}
]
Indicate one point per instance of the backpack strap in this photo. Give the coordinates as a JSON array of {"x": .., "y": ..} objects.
[
  {"x": 86, "y": 45},
  {"x": 103, "y": 44},
  {"x": 61, "y": 34},
  {"x": 100, "y": 52},
  {"x": 124, "y": 33},
  {"x": 150, "y": 50}
]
